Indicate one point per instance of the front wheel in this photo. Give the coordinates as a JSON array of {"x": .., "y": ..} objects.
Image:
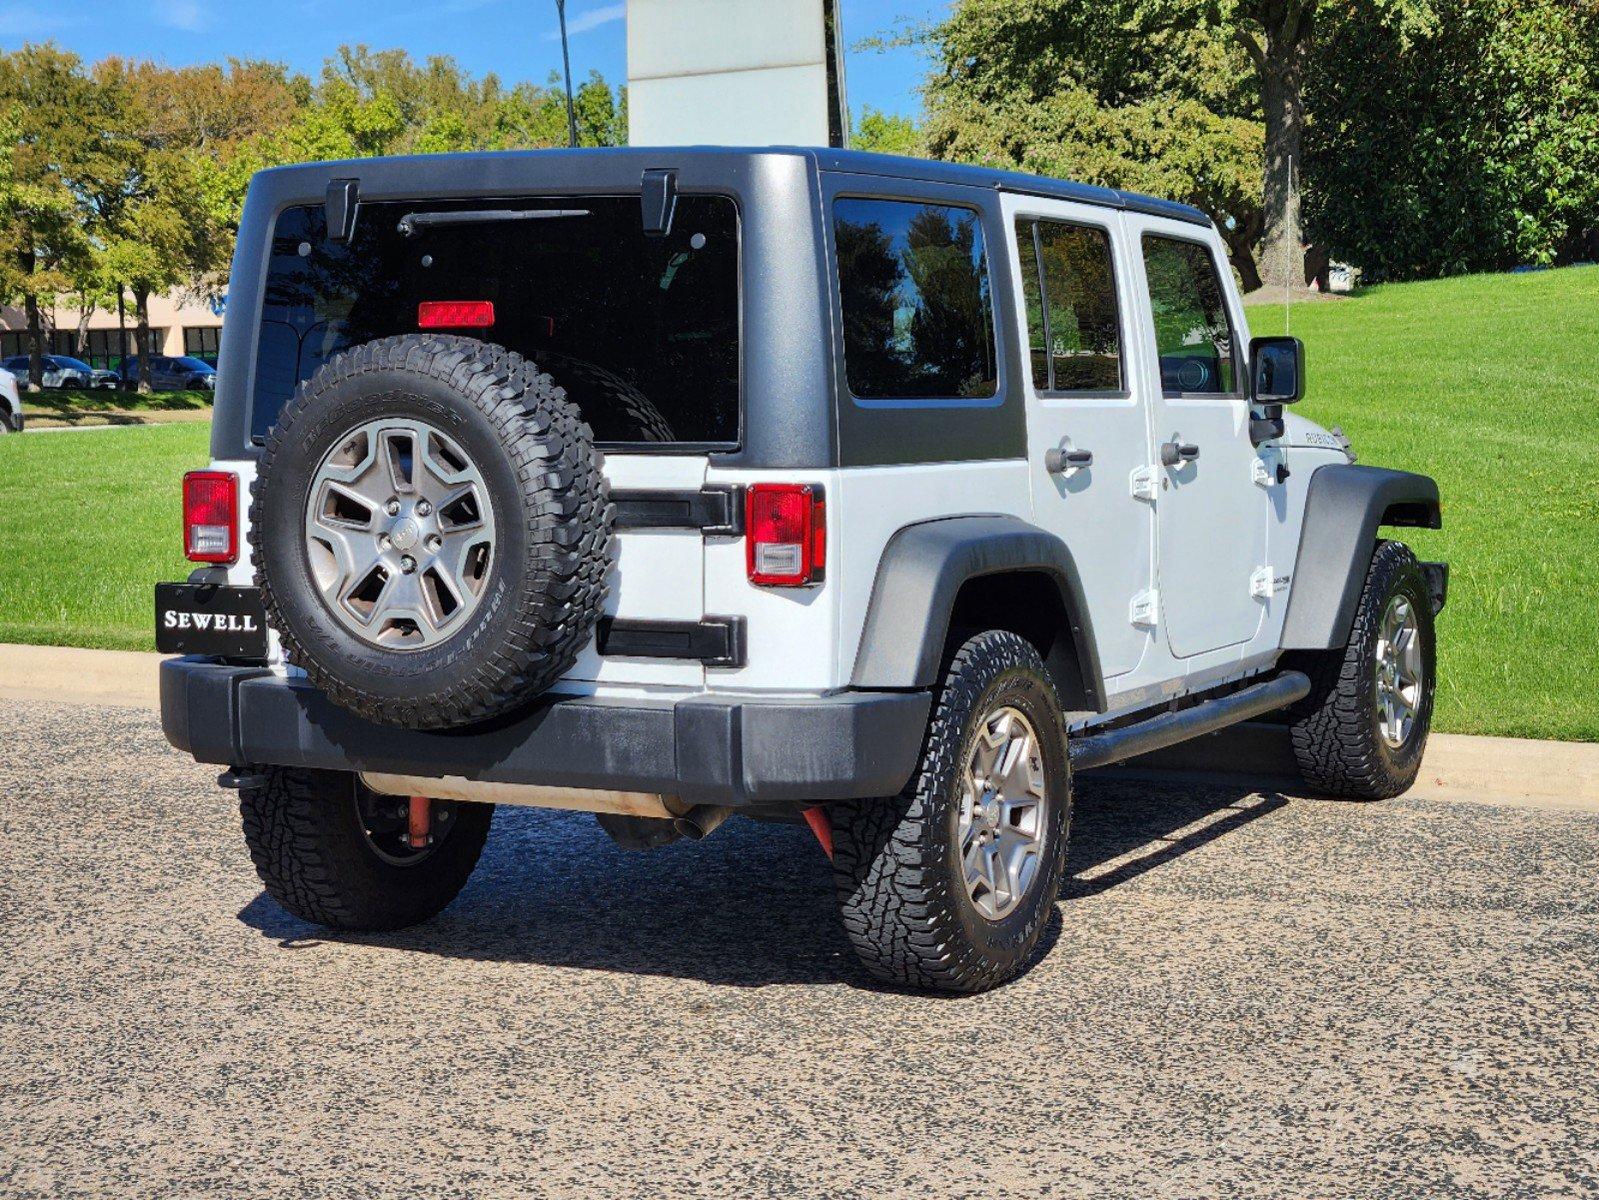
[
  {"x": 949, "y": 886},
  {"x": 1362, "y": 731},
  {"x": 333, "y": 852}
]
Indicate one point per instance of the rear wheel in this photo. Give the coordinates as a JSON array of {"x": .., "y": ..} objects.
[
  {"x": 1362, "y": 731},
  {"x": 334, "y": 852},
  {"x": 949, "y": 886}
]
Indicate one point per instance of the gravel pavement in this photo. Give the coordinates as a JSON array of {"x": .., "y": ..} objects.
[{"x": 1246, "y": 995}]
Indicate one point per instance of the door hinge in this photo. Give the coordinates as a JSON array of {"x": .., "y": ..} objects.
[
  {"x": 1145, "y": 609},
  {"x": 1145, "y": 483},
  {"x": 1262, "y": 474}
]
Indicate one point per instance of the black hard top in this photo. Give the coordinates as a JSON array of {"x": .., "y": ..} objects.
[{"x": 856, "y": 162}]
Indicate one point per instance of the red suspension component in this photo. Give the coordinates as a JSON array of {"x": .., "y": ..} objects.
[
  {"x": 421, "y": 823},
  {"x": 816, "y": 817}
]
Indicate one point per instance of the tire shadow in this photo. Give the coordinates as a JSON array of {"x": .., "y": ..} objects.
[{"x": 751, "y": 906}]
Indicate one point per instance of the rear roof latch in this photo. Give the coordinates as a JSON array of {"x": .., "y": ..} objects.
[{"x": 660, "y": 200}]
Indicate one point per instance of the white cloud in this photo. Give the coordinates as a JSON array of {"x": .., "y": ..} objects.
[
  {"x": 592, "y": 19},
  {"x": 181, "y": 14}
]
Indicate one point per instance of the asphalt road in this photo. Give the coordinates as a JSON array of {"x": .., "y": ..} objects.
[{"x": 1246, "y": 995}]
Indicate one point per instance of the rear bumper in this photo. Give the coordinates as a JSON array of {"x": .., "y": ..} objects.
[{"x": 707, "y": 749}]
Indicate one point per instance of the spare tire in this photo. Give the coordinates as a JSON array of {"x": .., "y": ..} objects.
[
  {"x": 431, "y": 531},
  {"x": 615, "y": 409}
]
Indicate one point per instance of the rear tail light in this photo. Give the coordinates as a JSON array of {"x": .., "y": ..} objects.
[
  {"x": 211, "y": 516},
  {"x": 785, "y": 534},
  {"x": 455, "y": 314}
]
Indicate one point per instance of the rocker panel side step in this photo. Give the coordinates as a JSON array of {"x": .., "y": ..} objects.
[{"x": 1169, "y": 728}]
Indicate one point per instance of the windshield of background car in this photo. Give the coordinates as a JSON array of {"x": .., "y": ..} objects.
[{"x": 643, "y": 332}]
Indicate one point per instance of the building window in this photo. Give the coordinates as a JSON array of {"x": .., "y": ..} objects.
[{"x": 203, "y": 343}]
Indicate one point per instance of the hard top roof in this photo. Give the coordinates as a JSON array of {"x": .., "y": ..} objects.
[{"x": 858, "y": 162}]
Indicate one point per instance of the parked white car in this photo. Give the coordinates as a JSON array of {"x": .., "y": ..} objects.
[{"x": 10, "y": 404}]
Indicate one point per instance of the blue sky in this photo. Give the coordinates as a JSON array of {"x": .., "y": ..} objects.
[{"x": 515, "y": 38}]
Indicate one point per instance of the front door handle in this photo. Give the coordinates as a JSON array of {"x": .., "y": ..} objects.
[
  {"x": 1176, "y": 454},
  {"x": 1058, "y": 461}
]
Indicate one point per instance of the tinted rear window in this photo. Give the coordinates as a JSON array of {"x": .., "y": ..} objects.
[
  {"x": 641, "y": 331},
  {"x": 913, "y": 286}
]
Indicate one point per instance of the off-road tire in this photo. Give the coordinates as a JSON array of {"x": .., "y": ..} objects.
[
  {"x": 552, "y": 514},
  {"x": 896, "y": 861},
  {"x": 615, "y": 409},
  {"x": 304, "y": 834},
  {"x": 1334, "y": 730}
]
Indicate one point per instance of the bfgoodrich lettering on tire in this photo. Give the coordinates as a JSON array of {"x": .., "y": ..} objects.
[
  {"x": 1361, "y": 732},
  {"x": 431, "y": 530},
  {"x": 950, "y": 886}
]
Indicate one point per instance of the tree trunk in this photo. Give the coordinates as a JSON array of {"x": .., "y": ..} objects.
[
  {"x": 1282, "y": 81},
  {"x": 81, "y": 342},
  {"x": 30, "y": 304},
  {"x": 1241, "y": 253},
  {"x": 141, "y": 336}
]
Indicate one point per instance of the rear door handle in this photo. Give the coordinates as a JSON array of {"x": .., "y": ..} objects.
[
  {"x": 1058, "y": 461},
  {"x": 1175, "y": 454}
]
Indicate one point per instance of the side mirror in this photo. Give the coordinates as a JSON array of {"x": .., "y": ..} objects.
[{"x": 1276, "y": 370}]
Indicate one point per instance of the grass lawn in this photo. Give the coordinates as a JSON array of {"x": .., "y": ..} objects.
[
  {"x": 1483, "y": 382},
  {"x": 88, "y": 523},
  {"x": 1486, "y": 383},
  {"x": 72, "y": 406}
]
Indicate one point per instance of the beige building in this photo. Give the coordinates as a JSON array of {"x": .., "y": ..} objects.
[{"x": 178, "y": 325}]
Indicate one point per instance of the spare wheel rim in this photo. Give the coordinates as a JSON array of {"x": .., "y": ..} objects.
[{"x": 399, "y": 534}]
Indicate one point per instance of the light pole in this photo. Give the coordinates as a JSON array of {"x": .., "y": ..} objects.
[{"x": 566, "y": 70}]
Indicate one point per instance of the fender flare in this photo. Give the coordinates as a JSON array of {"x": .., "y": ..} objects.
[
  {"x": 919, "y": 576},
  {"x": 1344, "y": 506}
]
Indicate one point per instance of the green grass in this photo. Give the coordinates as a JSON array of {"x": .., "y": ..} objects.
[
  {"x": 72, "y": 406},
  {"x": 88, "y": 523},
  {"x": 1488, "y": 384}
]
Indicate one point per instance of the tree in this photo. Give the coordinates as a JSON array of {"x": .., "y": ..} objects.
[
  {"x": 1139, "y": 62},
  {"x": 52, "y": 113},
  {"x": 1476, "y": 147},
  {"x": 886, "y": 133},
  {"x": 149, "y": 214}
]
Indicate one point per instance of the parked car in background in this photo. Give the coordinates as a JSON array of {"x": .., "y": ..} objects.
[
  {"x": 10, "y": 404},
  {"x": 60, "y": 371},
  {"x": 168, "y": 374}
]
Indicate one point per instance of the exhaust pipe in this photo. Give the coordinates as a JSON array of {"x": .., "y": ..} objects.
[
  {"x": 699, "y": 822},
  {"x": 453, "y": 787}
]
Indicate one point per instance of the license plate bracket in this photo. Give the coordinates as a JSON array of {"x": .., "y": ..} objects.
[{"x": 210, "y": 618}]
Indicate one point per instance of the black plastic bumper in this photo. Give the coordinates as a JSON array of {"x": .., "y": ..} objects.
[{"x": 707, "y": 749}]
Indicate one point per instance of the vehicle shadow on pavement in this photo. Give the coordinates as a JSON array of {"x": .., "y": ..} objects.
[{"x": 751, "y": 906}]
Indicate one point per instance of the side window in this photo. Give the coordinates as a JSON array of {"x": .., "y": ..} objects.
[
  {"x": 918, "y": 312},
  {"x": 1072, "y": 317},
  {"x": 1193, "y": 333}
]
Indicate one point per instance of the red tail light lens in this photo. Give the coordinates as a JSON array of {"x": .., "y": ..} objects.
[
  {"x": 455, "y": 314},
  {"x": 211, "y": 516},
  {"x": 785, "y": 534}
]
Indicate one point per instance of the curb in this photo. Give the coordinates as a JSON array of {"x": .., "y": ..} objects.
[{"x": 1516, "y": 772}]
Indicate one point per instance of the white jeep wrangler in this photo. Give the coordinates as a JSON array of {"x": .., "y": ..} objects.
[{"x": 793, "y": 484}]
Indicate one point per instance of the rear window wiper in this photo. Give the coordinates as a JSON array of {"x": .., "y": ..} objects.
[{"x": 413, "y": 223}]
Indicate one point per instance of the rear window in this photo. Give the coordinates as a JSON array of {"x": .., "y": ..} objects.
[{"x": 641, "y": 331}]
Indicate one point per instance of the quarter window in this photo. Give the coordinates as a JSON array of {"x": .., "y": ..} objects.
[
  {"x": 918, "y": 313},
  {"x": 1072, "y": 318},
  {"x": 1193, "y": 333}
]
